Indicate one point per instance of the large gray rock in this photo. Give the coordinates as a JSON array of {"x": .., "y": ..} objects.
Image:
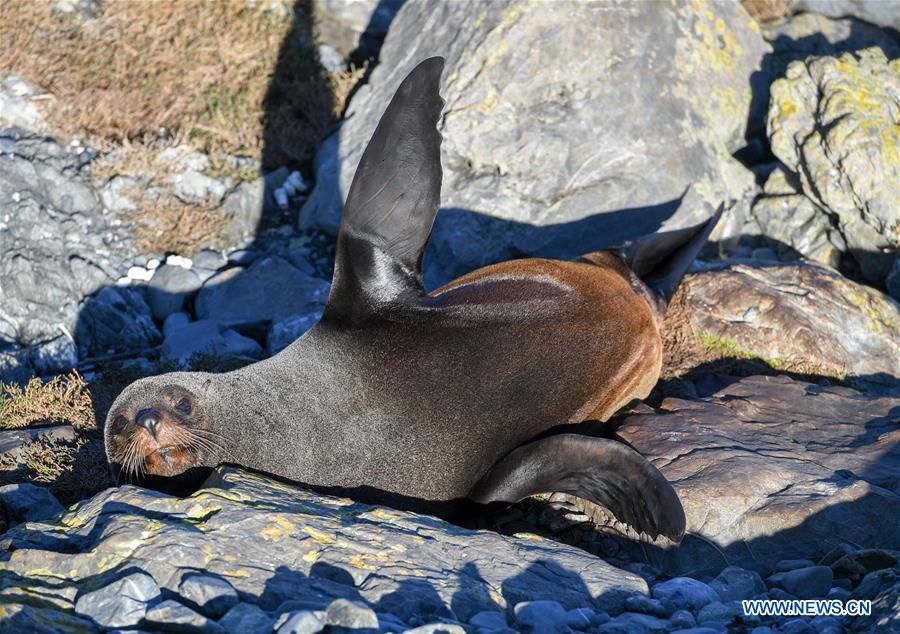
[
  {"x": 56, "y": 245},
  {"x": 770, "y": 468},
  {"x": 117, "y": 319},
  {"x": 268, "y": 291},
  {"x": 833, "y": 123},
  {"x": 348, "y": 25},
  {"x": 544, "y": 135},
  {"x": 275, "y": 543},
  {"x": 799, "y": 317},
  {"x": 881, "y": 12}
]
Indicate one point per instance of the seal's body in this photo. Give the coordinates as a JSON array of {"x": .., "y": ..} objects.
[{"x": 434, "y": 401}]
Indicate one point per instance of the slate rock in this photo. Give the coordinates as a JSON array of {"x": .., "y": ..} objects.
[
  {"x": 528, "y": 178},
  {"x": 171, "y": 616},
  {"x": 301, "y": 622},
  {"x": 169, "y": 288},
  {"x": 719, "y": 612},
  {"x": 804, "y": 583},
  {"x": 284, "y": 543},
  {"x": 211, "y": 595},
  {"x": 24, "y": 502},
  {"x": 122, "y": 603},
  {"x": 541, "y": 617},
  {"x": 831, "y": 122},
  {"x": 56, "y": 245},
  {"x": 735, "y": 583},
  {"x": 799, "y": 317},
  {"x": 115, "y": 320},
  {"x": 646, "y": 605},
  {"x": 206, "y": 337},
  {"x": 488, "y": 620},
  {"x": 682, "y": 619},
  {"x": 770, "y": 468},
  {"x": 684, "y": 592},
  {"x": 269, "y": 290},
  {"x": 350, "y": 615},
  {"x": 246, "y": 618}
]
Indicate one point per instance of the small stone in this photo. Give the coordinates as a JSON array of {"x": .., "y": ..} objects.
[
  {"x": 438, "y": 628},
  {"x": 488, "y": 620},
  {"x": 635, "y": 622},
  {"x": 330, "y": 59},
  {"x": 735, "y": 583},
  {"x": 139, "y": 273},
  {"x": 178, "y": 260},
  {"x": 826, "y": 625},
  {"x": 243, "y": 257},
  {"x": 209, "y": 259},
  {"x": 580, "y": 618},
  {"x": 793, "y": 564},
  {"x": 301, "y": 622},
  {"x": 171, "y": 616},
  {"x": 245, "y": 618},
  {"x": 795, "y": 626},
  {"x": 211, "y": 595},
  {"x": 685, "y": 592},
  {"x": 718, "y": 612},
  {"x": 840, "y": 594},
  {"x": 169, "y": 288},
  {"x": 350, "y": 614},
  {"x": 765, "y": 253},
  {"x": 28, "y": 503},
  {"x": 846, "y": 584},
  {"x": 175, "y": 321},
  {"x": 681, "y": 619},
  {"x": 153, "y": 264},
  {"x": 541, "y": 617},
  {"x": 296, "y": 180},
  {"x": 804, "y": 583},
  {"x": 207, "y": 337},
  {"x": 646, "y": 605},
  {"x": 122, "y": 603}
]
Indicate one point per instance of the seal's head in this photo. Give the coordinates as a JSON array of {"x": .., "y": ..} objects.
[{"x": 161, "y": 426}]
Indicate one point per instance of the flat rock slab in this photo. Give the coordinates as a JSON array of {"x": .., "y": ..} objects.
[
  {"x": 274, "y": 543},
  {"x": 770, "y": 468}
]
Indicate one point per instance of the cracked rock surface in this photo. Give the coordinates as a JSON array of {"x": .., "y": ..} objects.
[
  {"x": 770, "y": 468},
  {"x": 282, "y": 549},
  {"x": 833, "y": 123}
]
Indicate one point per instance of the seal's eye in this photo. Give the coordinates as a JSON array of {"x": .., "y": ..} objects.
[
  {"x": 184, "y": 405},
  {"x": 119, "y": 423}
]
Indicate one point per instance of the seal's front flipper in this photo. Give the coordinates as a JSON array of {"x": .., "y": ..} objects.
[
  {"x": 606, "y": 472},
  {"x": 392, "y": 203}
]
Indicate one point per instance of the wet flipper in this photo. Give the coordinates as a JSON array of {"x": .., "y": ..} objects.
[
  {"x": 392, "y": 202},
  {"x": 602, "y": 471},
  {"x": 662, "y": 259}
]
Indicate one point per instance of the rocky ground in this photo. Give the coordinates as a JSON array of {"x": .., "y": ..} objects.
[{"x": 777, "y": 418}]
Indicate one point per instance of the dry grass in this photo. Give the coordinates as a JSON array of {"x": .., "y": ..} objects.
[
  {"x": 64, "y": 399},
  {"x": 225, "y": 77}
]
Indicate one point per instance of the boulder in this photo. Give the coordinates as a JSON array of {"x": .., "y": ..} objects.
[
  {"x": 355, "y": 25},
  {"x": 771, "y": 468},
  {"x": 800, "y": 317},
  {"x": 56, "y": 244},
  {"x": 270, "y": 290},
  {"x": 880, "y": 12},
  {"x": 281, "y": 545},
  {"x": 537, "y": 139},
  {"x": 833, "y": 124},
  {"x": 117, "y": 319}
]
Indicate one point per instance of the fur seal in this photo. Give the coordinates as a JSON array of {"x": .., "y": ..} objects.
[{"x": 433, "y": 401}]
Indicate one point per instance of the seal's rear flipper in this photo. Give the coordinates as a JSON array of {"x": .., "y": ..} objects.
[
  {"x": 392, "y": 202},
  {"x": 606, "y": 472},
  {"x": 662, "y": 259}
]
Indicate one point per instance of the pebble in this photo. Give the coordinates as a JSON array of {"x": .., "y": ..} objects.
[
  {"x": 682, "y": 619},
  {"x": 628, "y": 622},
  {"x": 735, "y": 583},
  {"x": 245, "y": 618},
  {"x": 330, "y": 59},
  {"x": 488, "y": 620},
  {"x": 804, "y": 583},
  {"x": 793, "y": 564},
  {"x": 826, "y": 625},
  {"x": 173, "y": 617},
  {"x": 28, "y": 503},
  {"x": 177, "y": 260},
  {"x": 152, "y": 264},
  {"x": 122, "y": 603},
  {"x": 211, "y": 595},
  {"x": 169, "y": 288},
  {"x": 139, "y": 273},
  {"x": 841, "y": 594},
  {"x": 243, "y": 257},
  {"x": 646, "y": 605},
  {"x": 541, "y": 617},
  {"x": 580, "y": 618},
  {"x": 301, "y": 622},
  {"x": 175, "y": 321},
  {"x": 685, "y": 592},
  {"x": 718, "y": 612},
  {"x": 295, "y": 178},
  {"x": 795, "y": 626},
  {"x": 209, "y": 259},
  {"x": 438, "y": 628},
  {"x": 350, "y": 614}
]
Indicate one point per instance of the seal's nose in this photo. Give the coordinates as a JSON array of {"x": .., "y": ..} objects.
[{"x": 148, "y": 419}]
